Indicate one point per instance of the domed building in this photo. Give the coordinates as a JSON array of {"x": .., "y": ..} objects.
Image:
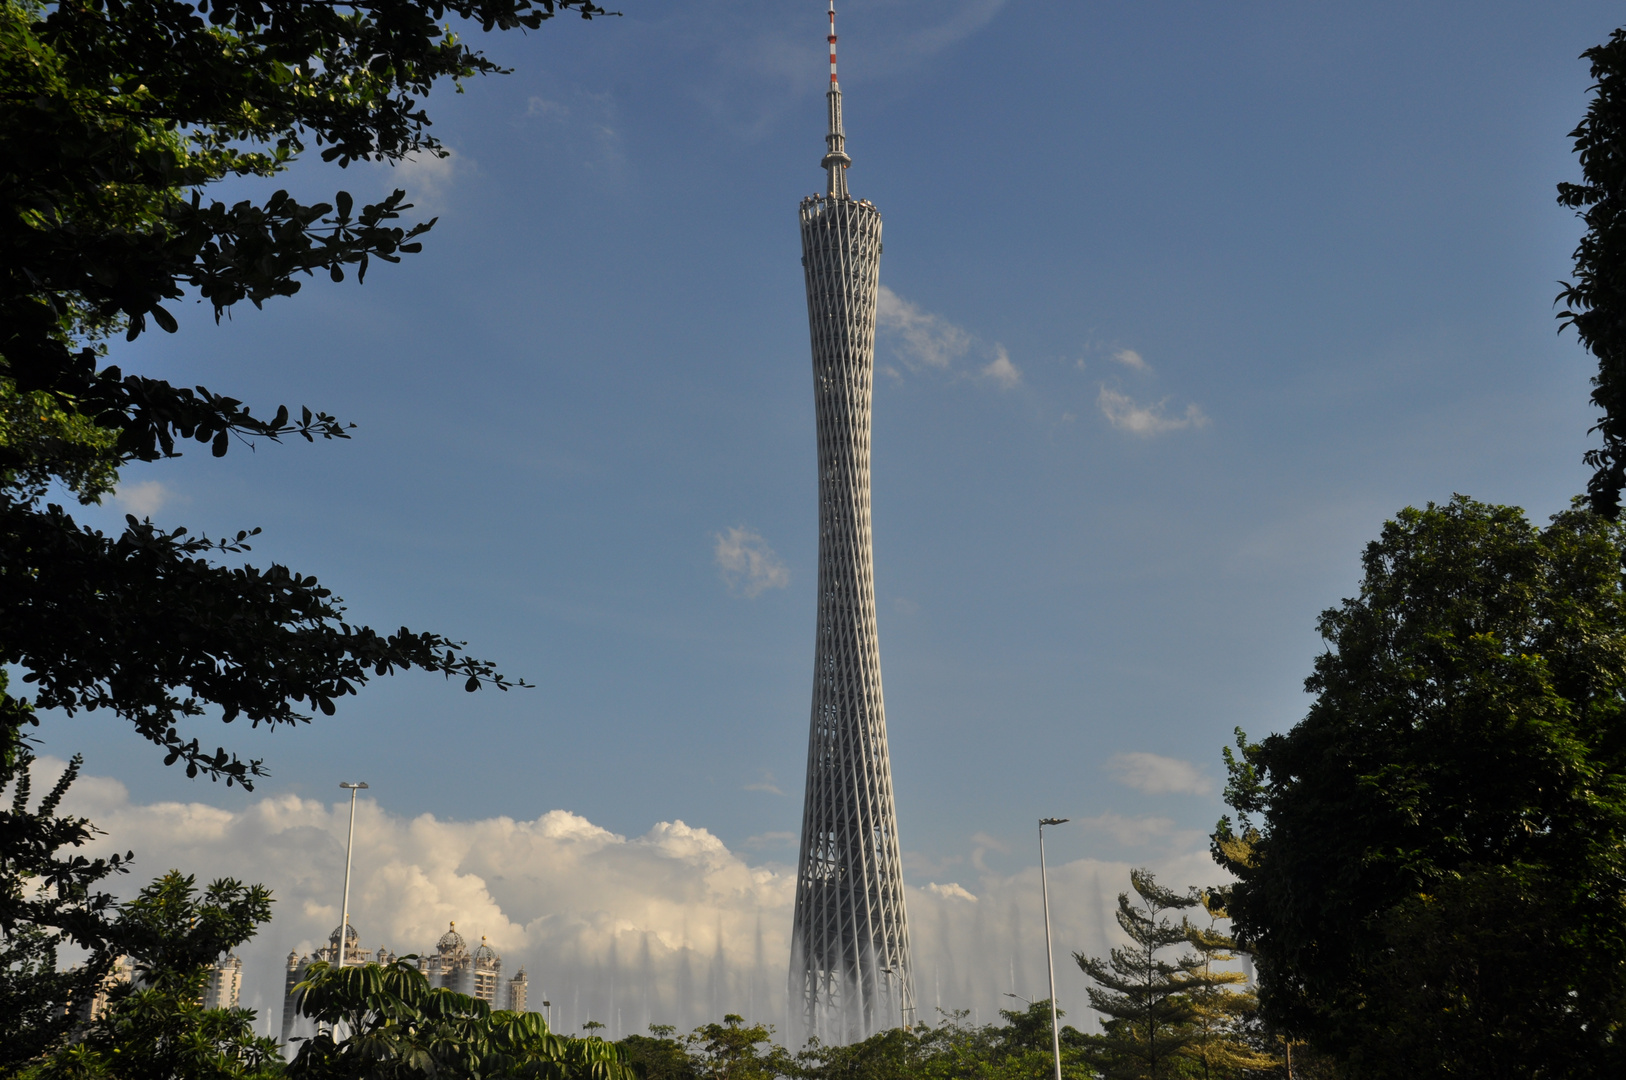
[
  {"x": 354, "y": 954},
  {"x": 450, "y": 966},
  {"x": 487, "y": 973}
]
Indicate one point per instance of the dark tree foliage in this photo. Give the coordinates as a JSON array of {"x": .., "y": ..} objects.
[
  {"x": 1017, "y": 1049},
  {"x": 48, "y": 898},
  {"x": 115, "y": 117},
  {"x": 155, "y": 1028},
  {"x": 1595, "y": 302},
  {"x": 1432, "y": 864},
  {"x": 393, "y": 1024}
]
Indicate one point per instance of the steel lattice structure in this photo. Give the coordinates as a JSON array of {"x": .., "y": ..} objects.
[{"x": 850, "y": 973}]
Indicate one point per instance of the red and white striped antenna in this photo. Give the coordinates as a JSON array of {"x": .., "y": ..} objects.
[
  {"x": 832, "y": 42},
  {"x": 835, "y": 157}
]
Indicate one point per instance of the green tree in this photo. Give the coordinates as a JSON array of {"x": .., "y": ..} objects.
[
  {"x": 660, "y": 1055},
  {"x": 392, "y": 1024},
  {"x": 1595, "y": 302},
  {"x": 115, "y": 119},
  {"x": 49, "y": 896},
  {"x": 156, "y": 1028},
  {"x": 1432, "y": 864},
  {"x": 1220, "y": 1015},
  {"x": 1149, "y": 1027},
  {"x": 732, "y": 1051}
]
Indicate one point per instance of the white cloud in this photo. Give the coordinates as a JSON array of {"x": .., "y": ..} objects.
[
  {"x": 1128, "y": 831},
  {"x": 1145, "y": 420},
  {"x": 952, "y": 891},
  {"x": 1002, "y": 371},
  {"x": 924, "y": 340},
  {"x": 427, "y": 180},
  {"x": 667, "y": 927},
  {"x": 767, "y": 783},
  {"x": 547, "y": 110},
  {"x": 1155, "y": 774},
  {"x": 970, "y": 17},
  {"x": 748, "y": 565},
  {"x": 143, "y": 499},
  {"x": 1131, "y": 359}
]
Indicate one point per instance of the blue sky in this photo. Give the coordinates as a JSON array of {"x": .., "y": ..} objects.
[{"x": 1185, "y": 299}]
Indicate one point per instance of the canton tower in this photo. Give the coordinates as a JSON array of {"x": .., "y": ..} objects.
[{"x": 849, "y": 965}]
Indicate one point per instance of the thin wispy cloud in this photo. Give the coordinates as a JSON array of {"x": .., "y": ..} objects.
[
  {"x": 925, "y": 341},
  {"x": 1154, "y": 774},
  {"x": 1127, "y": 831},
  {"x": 964, "y": 20},
  {"x": 545, "y": 109},
  {"x": 767, "y": 784},
  {"x": 1002, "y": 371},
  {"x": 1130, "y": 359},
  {"x": 1125, "y": 414},
  {"x": 919, "y": 338},
  {"x": 748, "y": 565},
  {"x": 143, "y": 499}
]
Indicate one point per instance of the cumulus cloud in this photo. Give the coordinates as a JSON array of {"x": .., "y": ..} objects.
[
  {"x": 1145, "y": 420},
  {"x": 923, "y": 340},
  {"x": 1131, "y": 359},
  {"x": 951, "y": 891},
  {"x": 143, "y": 499},
  {"x": 1155, "y": 774},
  {"x": 668, "y": 927},
  {"x": 748, "y": 565},
  {"x": 1001, "y": 370}
]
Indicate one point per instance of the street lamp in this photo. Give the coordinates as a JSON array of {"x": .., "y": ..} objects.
[
  {"x": 892, "y": 973},
  {"x": 344, "y": 923},
  {"x": 1049, "y": 952}
]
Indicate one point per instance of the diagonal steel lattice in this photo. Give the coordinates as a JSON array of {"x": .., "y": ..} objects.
[{"x": 850, "y": 974}]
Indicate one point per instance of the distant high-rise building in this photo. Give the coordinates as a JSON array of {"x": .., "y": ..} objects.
[
  {"x": 451, "y": 965},
  {"x": 850, "y": 972},
  {"x": 518, "y": 987},
  {"x": 486, "y": 974},
  {"x": 298, "y": 965},
  {"x": 121, "y": 974},
  {"x": 225, "y": 983}
]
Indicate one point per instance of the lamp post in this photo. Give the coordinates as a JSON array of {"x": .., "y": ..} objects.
[
  {"x": 350, "y": 845},
  {"x": 1049, "y": 952},
  {"x": 891, "y": 974}
]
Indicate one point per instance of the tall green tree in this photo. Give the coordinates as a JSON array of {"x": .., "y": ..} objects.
[
  {"x": 1149, "y": 1015},
  {"x": 1595, "y": 301},
  {"x": 1221, "y": 1044},
  {"x": 116, "y": 117},
  {"x": 155, "y": 1028},
  {"x": 1432, "y": 864},
  {"x": 50, "y": 896}
]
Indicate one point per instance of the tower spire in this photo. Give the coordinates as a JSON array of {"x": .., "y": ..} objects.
[{"x": 835, "y": 155}]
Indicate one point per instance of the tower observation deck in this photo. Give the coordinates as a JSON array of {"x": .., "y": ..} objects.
[{"x": 849, "y": 968}]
